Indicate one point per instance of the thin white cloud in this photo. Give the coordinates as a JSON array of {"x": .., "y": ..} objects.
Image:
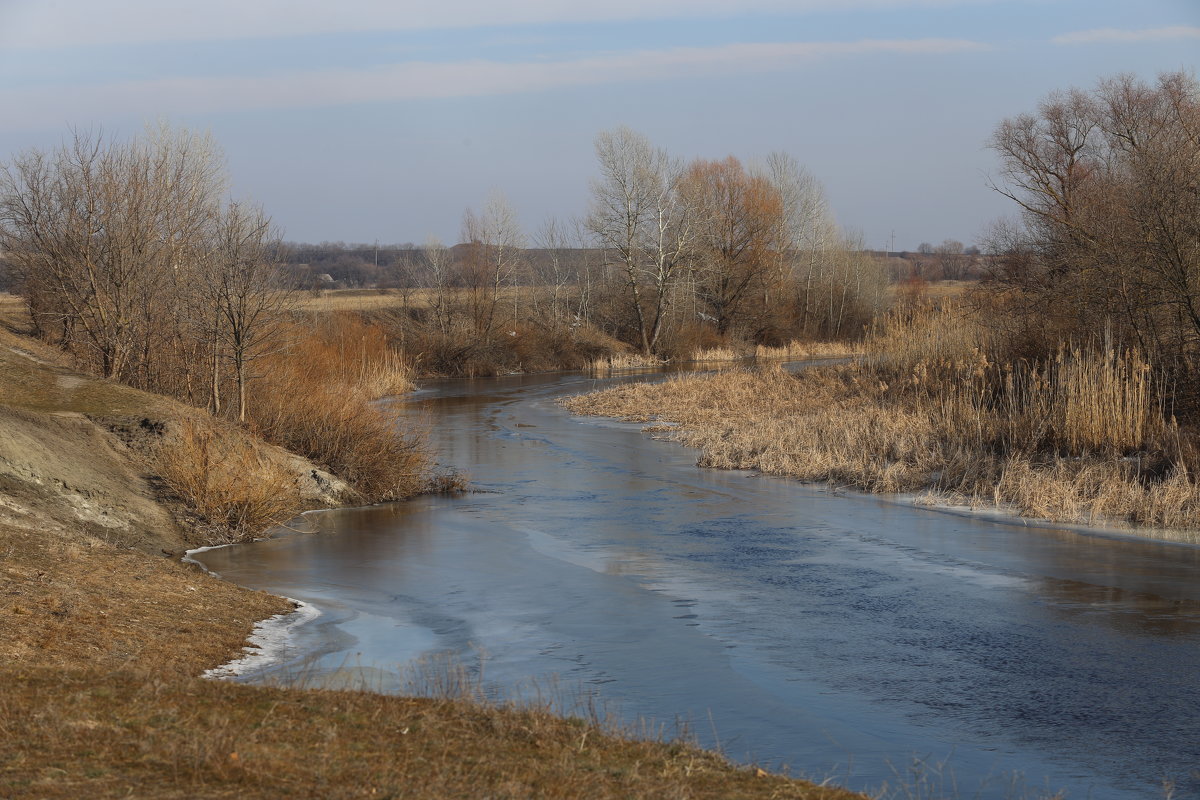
[
  {"x": 1121, "y": 36},
  {"x": 45, "y": 24},
  {"x": 31, "y": 108}
]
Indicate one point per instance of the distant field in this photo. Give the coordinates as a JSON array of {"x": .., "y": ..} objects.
[
  {"x": 361, "y": 299},
  {"x": 12, "y": 309},
  {"x": 938, "y": 289},
  {"x": 376, "y": 299}
]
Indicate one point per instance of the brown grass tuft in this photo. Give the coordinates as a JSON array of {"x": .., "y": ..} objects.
[
  {"x": 625, "y": 361},
  {"x": 720, "y": 353},
  {"x": 796, "y": 349},
  {"x": 221, "y": 474},
  {"x": 316, "y": 398}
]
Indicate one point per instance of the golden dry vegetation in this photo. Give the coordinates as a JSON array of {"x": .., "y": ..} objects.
[
  {"x": 316, "y": 397},
  {"x": 12, "y": 309},
  {"x": 1076, "y": 438},
  {"x": 335, "y": 300}
]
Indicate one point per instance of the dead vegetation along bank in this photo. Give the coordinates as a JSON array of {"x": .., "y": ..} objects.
[{"x": 1078, "y": 437}]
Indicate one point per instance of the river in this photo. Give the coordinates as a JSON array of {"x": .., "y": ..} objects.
[{"x": 836, "y": 635}]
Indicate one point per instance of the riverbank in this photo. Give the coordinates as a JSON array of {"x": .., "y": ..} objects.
[
  {"x": 846, "y": 426},
  {"x": 105, "y": 633}
]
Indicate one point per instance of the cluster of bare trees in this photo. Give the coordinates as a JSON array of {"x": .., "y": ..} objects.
[
  {"x": 134, "y": 263},
  {"x": 754, "y": 252},
  {"x": 1108, "y": 182},
  {"x": 671, "y": 255}
]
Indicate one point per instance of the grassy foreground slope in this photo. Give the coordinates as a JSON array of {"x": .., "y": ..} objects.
[{"x": 103, "y": 634}]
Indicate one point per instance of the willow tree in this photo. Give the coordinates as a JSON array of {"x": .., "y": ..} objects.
[{"x": 738, "y": 221}]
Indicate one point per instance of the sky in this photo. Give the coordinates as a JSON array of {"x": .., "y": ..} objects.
[{"x": 365, "y": 120}]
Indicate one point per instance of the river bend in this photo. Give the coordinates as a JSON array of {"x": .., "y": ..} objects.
[{"x": 837, "y": 635}]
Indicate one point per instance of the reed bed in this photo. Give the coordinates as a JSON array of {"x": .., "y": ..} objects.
[
  {"x": 795, "y": 350},
  {"x": 1078, "y": 437},
  {"x": 316, "y": 398},
  {"x": 625, "y": 361},
  {"x": 717, "y": 354}
]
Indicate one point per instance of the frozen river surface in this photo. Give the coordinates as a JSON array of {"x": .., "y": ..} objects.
[{"x": 840, "y": 636}]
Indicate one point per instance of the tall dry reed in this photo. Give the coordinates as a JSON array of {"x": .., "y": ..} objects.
[
  {"x": 625, "y": 361},
  {"x": 720, "y": 353},
  {"x": 796, "y": 349},
  {"x": 315, "y": 397},
  {"x": 222, "y": 475}
]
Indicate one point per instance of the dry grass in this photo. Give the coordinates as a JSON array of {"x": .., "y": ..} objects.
[
  {"x": 717, "y": 354},
  {"x": 76, "y": 735},
  {"x": 932, "y": 290},
  {"x": 315, "y": 398},
  {"x": 796, "y": 350},
  {"x": 1076, "y": 438},
  {"x": 342, "y": 300},
  {"x": 13, "y": 311},
  {"x": 625, "y": 361},
  {"x": 71, "y": 600},
  {"x": 344, "y": 349},
  {"x": 222, "y": 475},
  {"x": 353, "y": 300},
  {"x": 37, "y": 377},
  {"x": 99, "y": 647}
]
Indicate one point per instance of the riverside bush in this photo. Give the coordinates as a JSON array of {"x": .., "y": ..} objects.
[{"x": 316, "y": 398}]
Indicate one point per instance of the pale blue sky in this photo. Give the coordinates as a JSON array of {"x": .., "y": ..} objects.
[{"x": 363, "y": 120}]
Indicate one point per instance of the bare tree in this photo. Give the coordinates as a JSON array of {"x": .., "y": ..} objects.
[
  {"x": 809, "y": 234},
  {"x": 437, "y": 277},
  {"x": 100, "y": 231},
  {"x": 248, "y": 292},
  {"x": 950, "y": 259},
  {"x": 1106, "y": 181},
  {"x": 494, "y": 260},
  {"x": 642, "y": 224},
  {"x": 554, "y": 242}
]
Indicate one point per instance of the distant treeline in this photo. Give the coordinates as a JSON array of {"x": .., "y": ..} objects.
[{"x": 341, "y": 265}]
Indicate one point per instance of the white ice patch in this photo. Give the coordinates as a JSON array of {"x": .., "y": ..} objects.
[
  {"x": 269, "y": 643},
  {"x": 187, "y": 557}
]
